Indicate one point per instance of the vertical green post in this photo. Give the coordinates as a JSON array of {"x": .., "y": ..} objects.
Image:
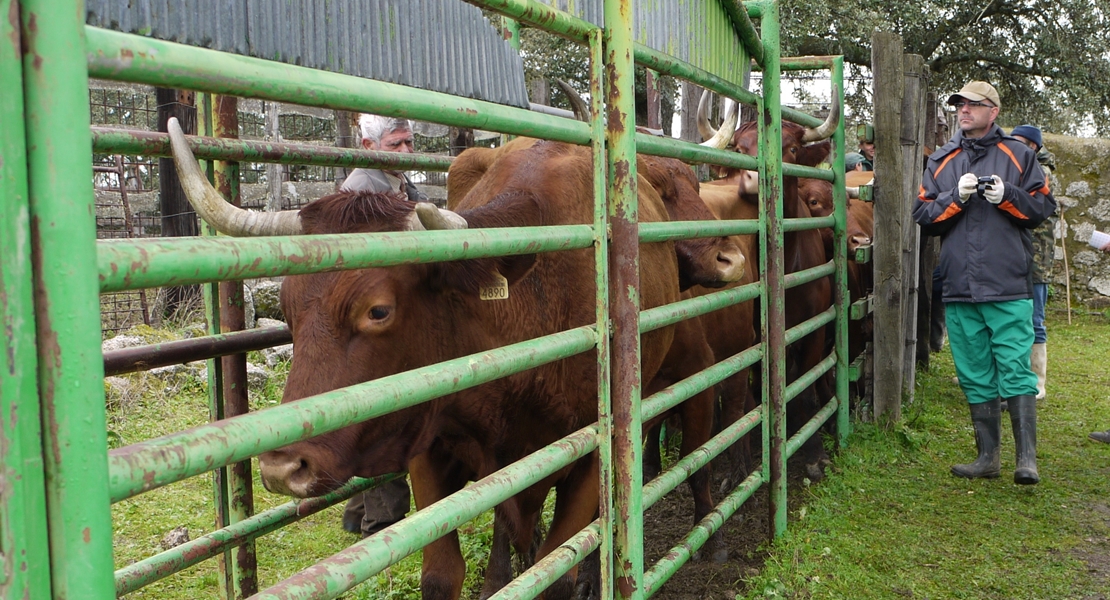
[
  {"x": 624, "y": 298},
  {"x": 233, "y": 397},
  {"x": 843, "y": 301},
  {"x": 770, "y": 191},
  {"x": 510, "y": 31},
  {"x": 67, "y": 310},
  {"x": 206, "y": 123},
  {"x": 24, "y": 552},
  {"x": 604, "y": 329}
]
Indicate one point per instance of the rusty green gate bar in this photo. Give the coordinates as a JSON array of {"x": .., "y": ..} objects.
[
  {"x": 58, "y": 231},
  {"x": 23, "y": 533}
]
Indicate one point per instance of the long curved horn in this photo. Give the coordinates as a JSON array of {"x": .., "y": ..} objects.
[
  {"x": 211, "y": 206},
  {"x": 704, "y": 128},
  {"x": 434, "y": 218},
  {"x": 826, "y": 129},
  {"x": 581, "y": 109},
  {"x": 723, "y": 136}
]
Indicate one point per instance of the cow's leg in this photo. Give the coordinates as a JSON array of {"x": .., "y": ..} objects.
[
  {"x": 575, "y": 507},
  {"x": 803, "y": 408},
  {"x": 434, "y": 477},
  {"x": 514, "y": 522},
  {"x": 737, "y": 401},
  {"x": 697, "y": 428},
  {"x": 499, "y": 568}
]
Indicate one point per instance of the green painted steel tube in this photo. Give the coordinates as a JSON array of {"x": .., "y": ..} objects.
[
  {"x": 807, "y": 275},
  {"x": 810, "y": 325},
  {"x": 694, "y": 153},
  {"x": 571, "y": 552},
  {"x": 148, "y": 465},
  {"x": 348, "y": 568},
  {"x": 805, "y": 223},
  {"x": 809, "y": 377},
  {"x": 604, "y": 322},
  {"x": 840, "y": 243},
  {"x": 809, "y": 429},
  {"x": 546, "y": 570},
  {"x": 67, "y": 309},
  {"x": 667, "y": 231},
  {"x": 771, "y": 200},
  {"x": 677, "y": 556},
  {"x": 24, "y": 551},
  {"x": 510, "y": 31},
  {"x": 174, "y": 560},
  {"x": 137, "y": 59},
  {"x": 106, "y": 140},
  {"x": 745, "y": 29},
  {"x": 805, "y": 171},
  {"x": 138, "y": 264},
  {"x": 625, "y": 513},
  {"x": 669, "y": 65},
  {"x": 541, "y": 16},
  {"x": 669, "y": 314},
  {"x": 675, "y": 394}
]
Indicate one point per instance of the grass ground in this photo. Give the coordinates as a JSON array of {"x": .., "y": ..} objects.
[
  {"x": 889, "y": 522},
  {"x": 892, "y": 523}
]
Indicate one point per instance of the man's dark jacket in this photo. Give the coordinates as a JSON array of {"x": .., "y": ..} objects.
[{"x": 987, "y": 251}]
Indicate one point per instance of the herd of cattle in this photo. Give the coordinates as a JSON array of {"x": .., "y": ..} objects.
[{"x": 355, "y": 326}]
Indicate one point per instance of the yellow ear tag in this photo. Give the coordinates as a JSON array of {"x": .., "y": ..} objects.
[{"x": 499, "y": 290}]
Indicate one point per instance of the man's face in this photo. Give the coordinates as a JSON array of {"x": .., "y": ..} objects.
[
  {"x": 867, "y": 149},
  {"x": 975, "y": 118},
  {"x": 398, "y": 140}
]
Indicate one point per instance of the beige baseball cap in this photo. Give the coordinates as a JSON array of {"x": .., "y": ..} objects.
[{"x": 977, "y": 91}]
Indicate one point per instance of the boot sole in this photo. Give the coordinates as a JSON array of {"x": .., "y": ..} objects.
[
  {"x": 1026, "y": 478},
  {"x": 966, "y": 475}
]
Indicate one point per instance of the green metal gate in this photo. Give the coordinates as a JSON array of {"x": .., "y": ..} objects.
[{"x": 58, "y": 481}]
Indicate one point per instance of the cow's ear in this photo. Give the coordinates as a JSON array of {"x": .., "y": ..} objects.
[
  {"x": 486, "y": 278},
  {"x": 813, "y": 154}
]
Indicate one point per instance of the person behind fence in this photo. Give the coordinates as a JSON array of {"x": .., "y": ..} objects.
[
  {"x": 1044, "y": 256},
  {"x": 385, "y": 134},
  {"x": 867, "y": 147},
  {"x": 983, "y": 193},
  {"x": 379, "y": 507}
]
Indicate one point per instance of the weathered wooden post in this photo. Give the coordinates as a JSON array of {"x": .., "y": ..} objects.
[
  {"x": 887, "y": 70},
  {"x": 913, "y": 132},
  {"x": 927, "y": 247}
]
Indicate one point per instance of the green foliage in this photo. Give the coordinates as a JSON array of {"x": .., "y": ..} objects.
[
  {"x": 891, "y": 522},
  {"x": 1048, "y": 60}
]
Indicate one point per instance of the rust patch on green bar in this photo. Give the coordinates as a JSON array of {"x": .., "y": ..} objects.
[
  {"x": 13, "y": 24},
  {"x": 86, "y": 534}
]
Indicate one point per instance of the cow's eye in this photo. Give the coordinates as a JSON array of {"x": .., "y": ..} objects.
[{"x": 379, "y": 313}]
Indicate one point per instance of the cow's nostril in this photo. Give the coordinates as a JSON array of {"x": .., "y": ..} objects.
[{"x": 304, "y": 464}]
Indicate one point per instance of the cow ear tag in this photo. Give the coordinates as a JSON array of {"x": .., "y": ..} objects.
[{"x": 499, "y": 290}]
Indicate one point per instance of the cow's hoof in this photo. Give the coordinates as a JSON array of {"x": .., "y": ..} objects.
[{"x": 815, "y": 472}]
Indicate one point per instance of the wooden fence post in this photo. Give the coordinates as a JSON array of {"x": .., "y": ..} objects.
[
  {"x": 913, "y": 133},
  {"x": 887, "y": 72},
  {"x": 928, "y": 246}
]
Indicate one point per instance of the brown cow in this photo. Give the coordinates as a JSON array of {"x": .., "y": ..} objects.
[
  {"x": 710, "y": 262},
  {"x": 356, "y": 326},
  {"x": 803, "y": 250}
]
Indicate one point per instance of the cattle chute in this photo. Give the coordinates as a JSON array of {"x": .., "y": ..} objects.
[{"x": 54, "y": 369}]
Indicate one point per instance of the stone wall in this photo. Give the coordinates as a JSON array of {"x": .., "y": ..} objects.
[{"x": 1083, "y": 192}]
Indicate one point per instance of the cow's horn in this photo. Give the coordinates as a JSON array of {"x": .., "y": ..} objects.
[
  {"x": 826, "y": 129},
  {"x": 723, "y": 136},
  {"x": 581, "y": 109},
  {"x": 704, "y": 128},
  {"x": 211, "y": 206},
  {"x": 432, "y": 217}
]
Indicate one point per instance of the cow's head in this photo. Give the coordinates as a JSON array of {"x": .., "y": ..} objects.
[
  {"x": 711, "y": 262},
  {"x": 817, "y": 195},
  {"x": 355, "y": 326}
]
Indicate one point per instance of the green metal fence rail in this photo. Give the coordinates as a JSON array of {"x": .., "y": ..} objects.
[{"x": 55, "y": 519}]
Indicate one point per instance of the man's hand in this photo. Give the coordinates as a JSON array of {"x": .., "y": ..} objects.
[
  {"x": 993, "y": 194},
  {"x": 967, "y": 185}
]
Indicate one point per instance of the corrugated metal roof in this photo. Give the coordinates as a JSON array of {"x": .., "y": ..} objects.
[
  {"x": 699, "y": 32},
  {"x": 441, "y": 45}
]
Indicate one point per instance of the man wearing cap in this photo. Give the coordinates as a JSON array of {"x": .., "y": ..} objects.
[
  {"x": 983, "y": 193},
  {"x": 1044, "y": 256}
]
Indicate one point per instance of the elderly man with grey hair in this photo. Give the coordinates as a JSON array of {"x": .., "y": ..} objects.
[
  {"x": 385, "y": 134},
  {"x": 380, "y": 507}
]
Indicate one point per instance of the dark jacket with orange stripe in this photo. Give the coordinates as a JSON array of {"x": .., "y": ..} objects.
[{"x": 987, "y": 249}]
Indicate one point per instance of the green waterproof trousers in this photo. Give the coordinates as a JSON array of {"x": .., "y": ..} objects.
[{"x": 990, "y": 344}]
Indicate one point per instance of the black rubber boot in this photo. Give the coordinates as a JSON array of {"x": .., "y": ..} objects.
[
  {"x": 987, "y": 419},
  {"x": 1100, "y": 436},
  {"x": 1023, "y": 416}
]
